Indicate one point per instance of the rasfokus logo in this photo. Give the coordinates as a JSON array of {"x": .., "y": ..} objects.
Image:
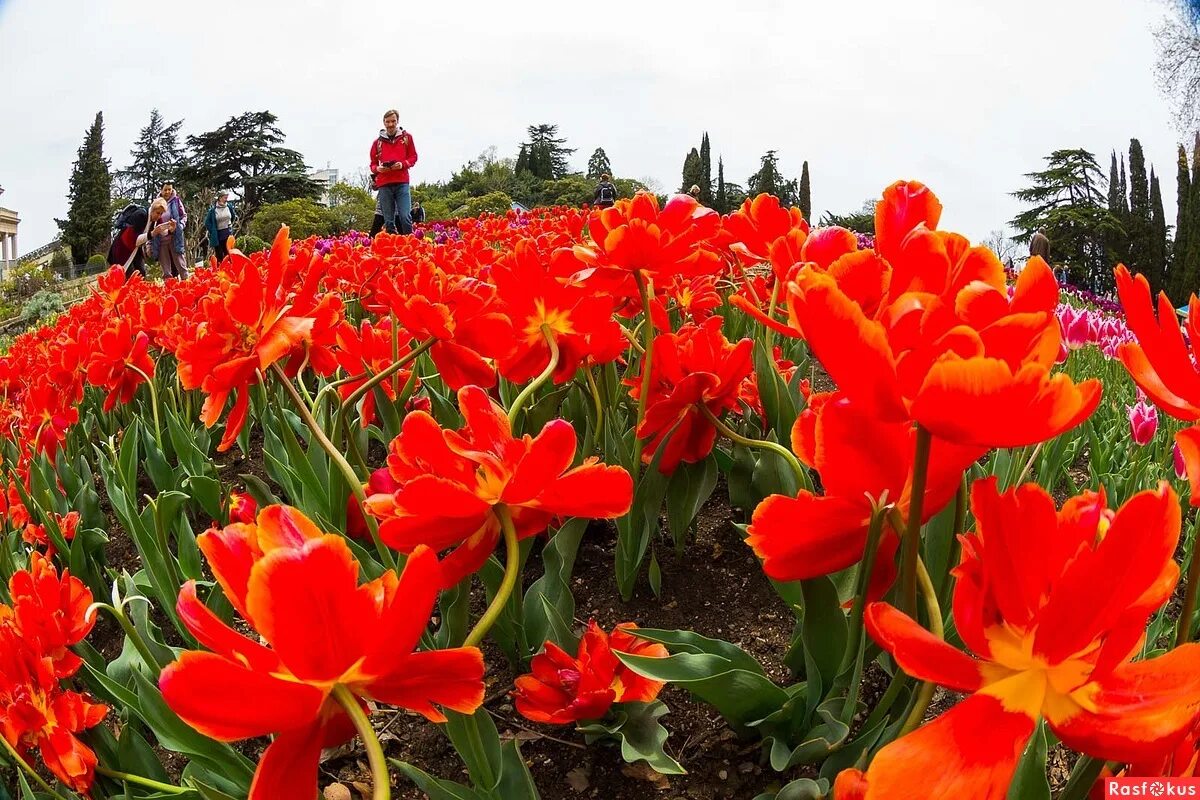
[{"x": 1151, "y": 787}]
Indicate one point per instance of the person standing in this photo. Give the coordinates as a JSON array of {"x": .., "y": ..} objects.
[
  {"x": 606, "y": 192},
  {"x": 167, "y": 247},
  {"x": 393, "y": 154},
  {"x": 219, "y": 224},
  {"x": 418, "y": 213},
  {"x": 1039, "y": 245}
]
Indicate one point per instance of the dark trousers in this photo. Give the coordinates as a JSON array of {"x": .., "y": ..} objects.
[{"x": 222, "y": 244}]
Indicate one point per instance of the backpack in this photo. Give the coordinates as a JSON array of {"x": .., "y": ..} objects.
[
  {"x": 607, "y": 195},
  {"x": 123, "y": 216}
]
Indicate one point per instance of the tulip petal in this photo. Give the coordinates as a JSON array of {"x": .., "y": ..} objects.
[
  {"x": 920, "y": 653},
  {"x": 251, "y": 703},
  {"x": 807, "y": 536},
  {"x": 449, "y": 678}
]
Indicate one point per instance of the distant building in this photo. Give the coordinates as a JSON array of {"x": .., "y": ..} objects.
[
  {"x": 326, "y": 179},
  {"x": 9, "y": 220},
  {"x": 518, "y": 207},
  {"x": 42, "y": 256}
]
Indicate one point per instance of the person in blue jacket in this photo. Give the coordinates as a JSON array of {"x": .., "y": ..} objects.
[{"x": 219, "y": 224}]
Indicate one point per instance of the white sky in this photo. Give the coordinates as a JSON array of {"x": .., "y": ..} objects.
[{"x": 965, "y": 95}]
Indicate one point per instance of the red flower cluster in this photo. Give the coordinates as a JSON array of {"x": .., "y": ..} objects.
[{"x": 48, "y": 614}]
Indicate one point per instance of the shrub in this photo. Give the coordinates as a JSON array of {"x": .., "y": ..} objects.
[
  {"x": 24, "y": 281},
  {"x": 251, "y": 244},
  {"x": 303, "y": 217},
  {"x": 97, "y": 263},
  {"x": 495, "y": 202},
  {"x": 42, "y": 305}
]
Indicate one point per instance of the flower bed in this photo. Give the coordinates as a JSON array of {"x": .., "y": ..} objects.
[{"x": 559, "y": 503}]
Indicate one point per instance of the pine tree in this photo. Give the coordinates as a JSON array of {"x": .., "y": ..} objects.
[
  {"x": 1115, "y": 201},
  {"x": 1191, "y": 276},
  {"x": 1138, "y": 226},
  {"x": 705, "y": 182},
  {"x": 692, "y": 171},
  {"x": 721, "y": 201},
  {"x": 1158, "y": 234},
  {"x": 547, "y": 154},
  {"x": 156, "y": 155},
  {"x": 599, "y": 164},
  {"x": 1069, "y": 206},
  {"x": 522, "y": 164},
  {"x": 769, "y": 180},
  {"x": 86, "y": 228},
  {"x": 804, "y": 199}
]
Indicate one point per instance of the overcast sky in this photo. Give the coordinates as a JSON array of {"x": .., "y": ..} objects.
[{"x": 965, "y": 95}]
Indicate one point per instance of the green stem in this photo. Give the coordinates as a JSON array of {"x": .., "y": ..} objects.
[
  {"x": 528, "y": 391},
  {"x": 153, "y": 404},
  {"x": 934, "y": 610},
  {"x": 382, "y": 789},
  {"x": 912, "y": 534},
  {"x": 343, "y": 466},
  {"x": 382, "y": 376},
  {"x": 762, "y": 444},
  {"x": 16, "y": 757},
  {"x": 856, "y": 647},
  {"x": 512, "y": 565},
  {"x": 596, "y": 431},
  {"x": 138, "y": 779},
  {"x": 131, "y": 632},
  {"x": 770, "y": 338},
  {"x": 646, "y": 290},
  {"x": 898, "y": 682},
  {"x": 1183, "y": 628}
]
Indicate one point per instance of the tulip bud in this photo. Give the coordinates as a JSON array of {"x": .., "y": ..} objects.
[
  {"x": 1180, "y": 466},
  {"x": 1143, "y": 422}
]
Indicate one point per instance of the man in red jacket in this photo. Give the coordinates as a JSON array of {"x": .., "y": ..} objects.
[{"x": 392, "y": 154}]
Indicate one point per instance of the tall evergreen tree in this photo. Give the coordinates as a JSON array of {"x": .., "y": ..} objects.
[
  {"x": 89, "y": 216},
  {"x": 156, "y": 155},
  {"x": 769, "y": 180},
  {"x": 1119, "y": 239},
  {"x": 1115, "y": 201},
  {"x": 721, "y": 201},
  {"x": 547, "y": 152},
  {"x": 692, "y": 171},
  {"x": 1183, "y": 220},
  {"x": 522, "y": 164},
  {"x": 1191, "y": 269},
  {"x": 804, "y": 197},
  {"x": 705, "y": 182},
  {"x": 1138, "y": 226},
  {"x": 247, "y": 153},
  {"x": 1124, "y": 194},
  {"x": 599, "y": 164},
  {"x": 1158, "y": 234},
  {"x": 1068, "y": 200}
]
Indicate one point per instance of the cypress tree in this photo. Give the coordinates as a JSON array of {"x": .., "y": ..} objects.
[
  {"x": 1158, "y": 233},
  {"x": 722, "y": 199},
  {"x": 1115, "y": 201},
  {"x": 1124, "y": 194},
  {"x": 691, "y": 171},
  {"x": 804, "y": 196},
  {"x": 86, "y": 228},
  {"x": 1139, "y": 225},
  {"x": 1176, "y": 266},
  {"x": 705, "y": 182},
  {"x": 1191, "y": 276}
]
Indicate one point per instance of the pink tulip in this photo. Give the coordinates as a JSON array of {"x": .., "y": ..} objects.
[
  {"x": 1177, "y": 457},
  {"x": 1143, "y": 422}
]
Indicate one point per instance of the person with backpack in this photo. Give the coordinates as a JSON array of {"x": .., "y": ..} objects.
[
  {"x": 393, "y": 154},
  {"x": 134, "y": 227},
  {"x": 606, "y": 192},
  {"x": 219, "y": 224}
]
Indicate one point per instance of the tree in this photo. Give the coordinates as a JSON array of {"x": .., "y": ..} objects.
[
  {"x": 156, "y": 155},
  {"x": 861, "y": 221},
  {"x": 692, "y": 171},
  {"x": 86, "y": 228},
  {"x": 1178, "y": 65},
  {"x": 1116, "y": 201},
  {"x": 247, "y": 156},
  {"x": 1119, "y": 241},
  {"x": 303, "y": 216},
  {"x": 1068, "y": 199},
  {"x": 804, "y": 196},
  {"x": 599, "y": 165},
  {"x": 1138, "y": 225},
  {"x": 1190, "y": 281},
  {"x": 351, "y": 208},
  {"x": 1158, "y": 234},
  {"x": 546, "y": 155},
  {"x": 705, "y": 182},
  {"x": 721, "y": 201},
  {"x": 769, "y": 180},
  {"x": 1183, "y": 225}
]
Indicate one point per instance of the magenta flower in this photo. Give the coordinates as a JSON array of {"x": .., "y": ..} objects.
[{"x": 1143, "y": 422}]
